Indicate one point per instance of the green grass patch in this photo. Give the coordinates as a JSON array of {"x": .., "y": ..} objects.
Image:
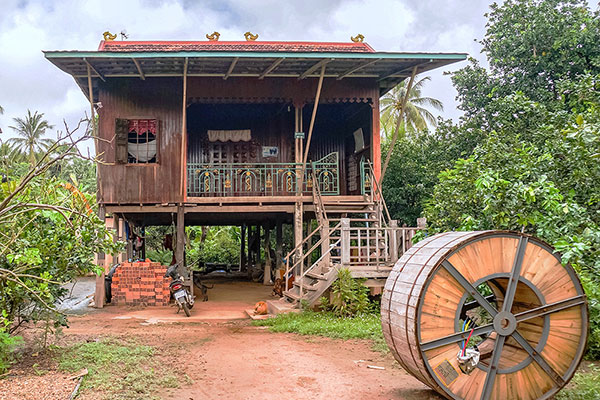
[
  {"x": 121, "y": 370},
  {"x": 363, "y": 326},
  {"x": 585, "y": 385}
]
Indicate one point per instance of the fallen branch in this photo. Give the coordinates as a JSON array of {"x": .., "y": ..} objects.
[{"x": 80, "y": 376}]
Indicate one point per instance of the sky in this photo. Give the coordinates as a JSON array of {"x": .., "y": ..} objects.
[{"x": 29, "y": 81}]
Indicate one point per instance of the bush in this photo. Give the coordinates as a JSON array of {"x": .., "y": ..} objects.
[
  {"x": 8, "y": 344},
  {"x": 350, "y": 296}
]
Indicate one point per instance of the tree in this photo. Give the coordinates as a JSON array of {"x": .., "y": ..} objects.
[
  {"x": 48, "y": 236},
  {"x": 530, "y": 46},
  {"x": 31, "y": 129},
  {"x": 417, "y": 115},
  {"x": 532, "y": 120},
  {"x": 417, "y": 160},
  {"x": 543, "y": 180}
]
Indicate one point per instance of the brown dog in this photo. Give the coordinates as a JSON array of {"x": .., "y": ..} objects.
[
  {"x": 260, "y": 308},
  {"x": 278, "y": 287}
]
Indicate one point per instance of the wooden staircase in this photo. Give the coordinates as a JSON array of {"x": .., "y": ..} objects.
[{"x": 351, "y": 234}]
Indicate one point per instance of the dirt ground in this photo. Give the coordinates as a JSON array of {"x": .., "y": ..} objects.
[{"x": 224, "y": 356}]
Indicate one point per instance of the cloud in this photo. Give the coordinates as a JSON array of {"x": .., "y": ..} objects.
[{"x": 27, "y": 80}]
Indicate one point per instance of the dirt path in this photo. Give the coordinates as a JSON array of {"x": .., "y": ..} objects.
[
  {"x": 246, "y": 362},
  {"x": 226, "y": 357},
  {"x": 234, "y": 359}
]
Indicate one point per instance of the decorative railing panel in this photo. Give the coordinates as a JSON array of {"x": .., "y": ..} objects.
[
  {"x": 366, "y": 177},
  {"x": 262, "y": 179}
]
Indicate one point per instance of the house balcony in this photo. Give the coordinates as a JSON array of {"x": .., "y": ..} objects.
[{"x": 263, "y": 179}]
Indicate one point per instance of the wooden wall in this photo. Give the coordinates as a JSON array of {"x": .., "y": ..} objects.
[{"x": 159, "y": 98}]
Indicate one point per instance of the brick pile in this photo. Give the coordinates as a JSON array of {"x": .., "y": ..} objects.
[{"x": 141, "y": 283}]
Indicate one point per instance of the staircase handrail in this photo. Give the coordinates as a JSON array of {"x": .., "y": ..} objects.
[
  {"x": 304, "y": 256},
  {"x": 317, "y": 243},
  {"x": 317, "y": 195},
  {"x": 378, "y": 191},
  {"x": 302, "y": 243}
]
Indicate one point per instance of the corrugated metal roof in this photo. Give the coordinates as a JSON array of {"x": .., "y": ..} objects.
[{"x": 260, "y": 60}]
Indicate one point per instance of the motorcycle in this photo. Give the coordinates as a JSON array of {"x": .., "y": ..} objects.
[{"x": 182, "y": 296}]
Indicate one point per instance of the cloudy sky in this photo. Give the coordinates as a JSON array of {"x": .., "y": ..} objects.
[{"x": 29, "y": 81}]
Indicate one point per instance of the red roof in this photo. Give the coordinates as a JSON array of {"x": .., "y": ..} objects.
[{"x": 289, "y": 47}]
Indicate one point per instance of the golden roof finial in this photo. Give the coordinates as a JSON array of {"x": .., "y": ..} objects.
[
  {"x": 109, "y": 36},
  {"x": 250, "y": 37},
  {"x": 358, "y": 38},
  {"x": 213, "y": 37}
]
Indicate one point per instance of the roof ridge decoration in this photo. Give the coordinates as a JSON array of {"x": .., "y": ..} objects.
[
  {"x": 250, "y": 37},
  {"x": 244, "y": 46},
  {"x": 213, "y": 37},
  {"x": 358, "y": 38},
  {"x": 109, "y": 36}
]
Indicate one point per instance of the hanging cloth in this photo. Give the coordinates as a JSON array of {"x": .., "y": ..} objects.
[{"x": 240, "y": 135}]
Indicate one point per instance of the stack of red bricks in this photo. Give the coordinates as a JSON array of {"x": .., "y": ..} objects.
[{"x": 141, "y": 283}]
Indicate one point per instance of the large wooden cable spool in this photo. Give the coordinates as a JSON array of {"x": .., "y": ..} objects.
[{"x": 526, "y": 313}]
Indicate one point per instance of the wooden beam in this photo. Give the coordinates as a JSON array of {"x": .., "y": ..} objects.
[
  {"x": 139, "y": 68},
  {"x": 101, "y": 261},
  {"x": 231, "y": 67},
  {"x": 268, "y": 262},
  {"x": 94, "y": 69},
  {"x": 243, "y": 259},
  {"x": 271, "y": 68},
  {"x": 298, "y": 205},
  {"x": 398, "y": 123},
  {"x": 358, "y": 67},
  {"x": 312, "y": 122},
  {"x": 184, "y": 132},
  {"x": 279, "y": 245},
  {"x": 316, "y": 66},
  {"x": 180, "y": 240},
  {"x": 91, "y": 95}
]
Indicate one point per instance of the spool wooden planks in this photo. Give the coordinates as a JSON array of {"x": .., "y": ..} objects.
[{"x": 528, "y": 315}]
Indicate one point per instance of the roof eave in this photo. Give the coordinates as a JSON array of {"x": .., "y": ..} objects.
[{"x": 254, "y": 54}]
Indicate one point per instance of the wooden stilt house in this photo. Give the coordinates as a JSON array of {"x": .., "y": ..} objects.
[{"x": 254, "y": 134}]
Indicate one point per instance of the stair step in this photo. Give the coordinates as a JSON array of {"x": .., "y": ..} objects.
[
  {"x": 305, "y": 286},
  {"x": 292, "y": 295},
  {"x": 314, "y": 275}
]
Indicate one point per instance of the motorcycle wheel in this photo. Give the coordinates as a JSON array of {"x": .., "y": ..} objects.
[{"x": 186, "y": 310}]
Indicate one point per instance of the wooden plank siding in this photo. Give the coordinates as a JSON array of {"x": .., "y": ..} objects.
[
  {"x": 126, "y": 98},
  {"x": 345, "y": 106}
]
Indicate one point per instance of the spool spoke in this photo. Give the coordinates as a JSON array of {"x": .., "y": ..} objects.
[
  {"x": 541, "y": 361},
  {"x": 456, "y": 337},
  {"x": 550, "y": 308},
  {"x": 491, "y": 375},
  {"x": 514, "y": 275},
  {"x": 469, "y": 288}
]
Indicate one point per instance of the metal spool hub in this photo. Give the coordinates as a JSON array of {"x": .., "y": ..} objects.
[{"x": 526, "y": 314}]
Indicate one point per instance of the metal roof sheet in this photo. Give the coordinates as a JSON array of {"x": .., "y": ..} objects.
[{"x": 387, "y": 68}]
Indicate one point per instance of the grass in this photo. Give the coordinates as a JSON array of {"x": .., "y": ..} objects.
[
  {"x": 585, "y": 385},
  {"x": 121, "y": 370},
  {"x": 364, "y": 326}
]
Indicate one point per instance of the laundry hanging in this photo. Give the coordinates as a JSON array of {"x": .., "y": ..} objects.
[{"x": 239, "y": 135}]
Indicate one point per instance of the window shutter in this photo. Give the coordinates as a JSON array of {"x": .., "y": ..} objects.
[{"x": 121, "y": 131}]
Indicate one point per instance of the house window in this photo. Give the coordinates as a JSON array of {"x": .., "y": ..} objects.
[{"x": 136, "y": 141}]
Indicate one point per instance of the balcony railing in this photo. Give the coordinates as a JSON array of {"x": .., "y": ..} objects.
[{"x": 262, "y": 179}]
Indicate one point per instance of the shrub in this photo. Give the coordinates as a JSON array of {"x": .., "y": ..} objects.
[{"x": 351, "y": 296}]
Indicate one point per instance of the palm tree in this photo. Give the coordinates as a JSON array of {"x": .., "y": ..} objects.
[
  {"x": 31, "y": 129},
  {"x": 417, "y": 115}
]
